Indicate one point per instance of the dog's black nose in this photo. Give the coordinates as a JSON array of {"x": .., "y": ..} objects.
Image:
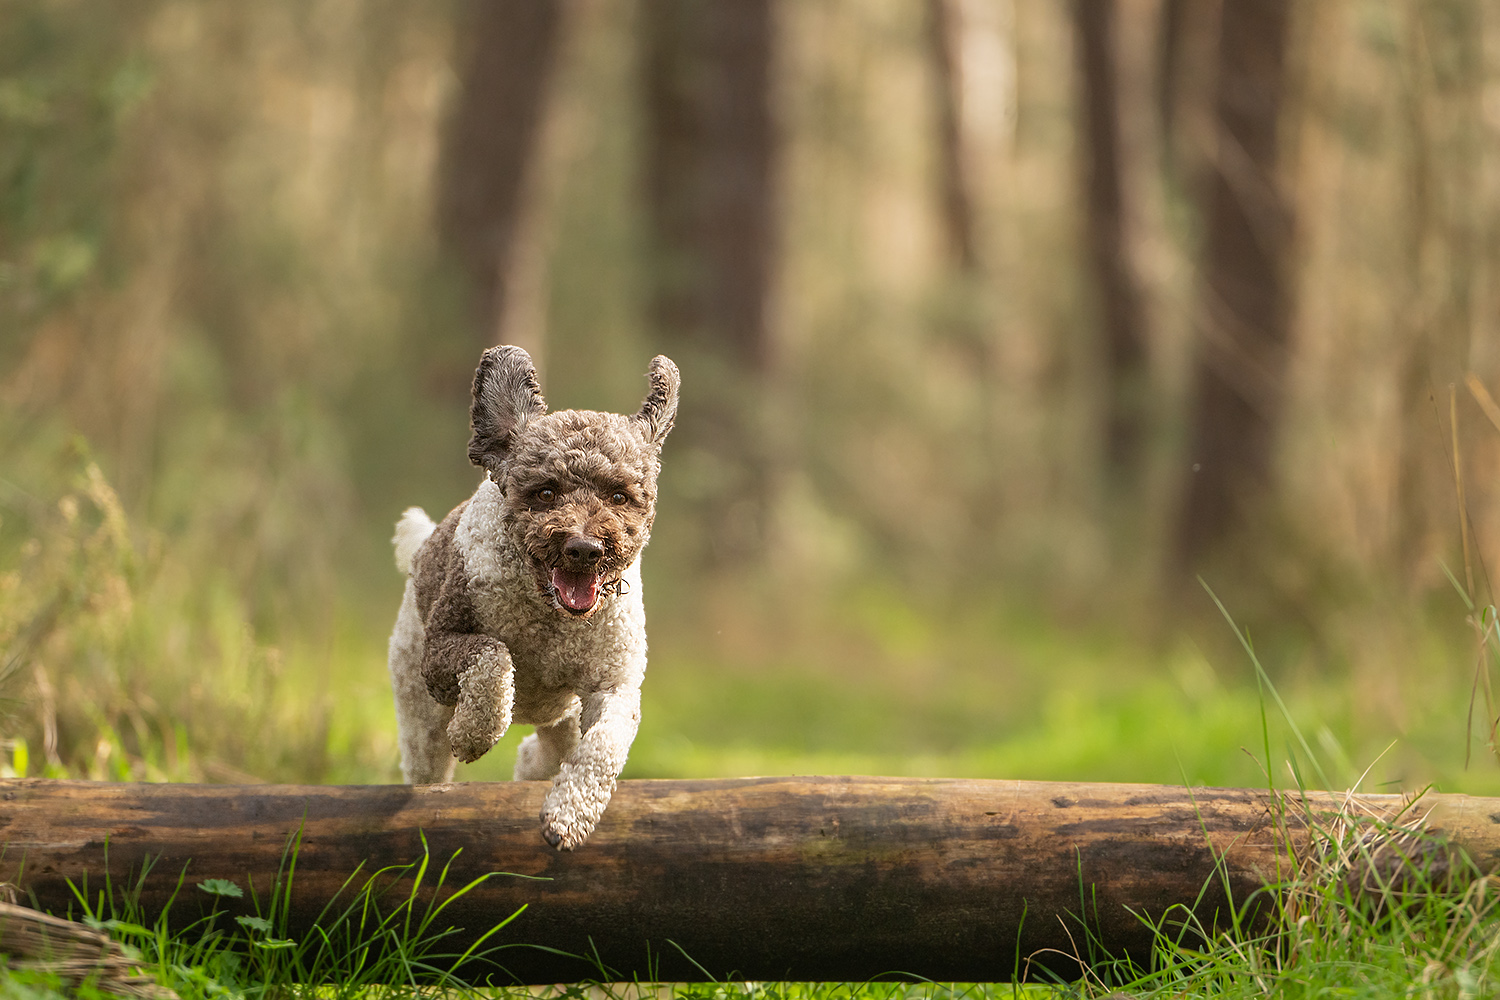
[{"x": 583, "y": 551}]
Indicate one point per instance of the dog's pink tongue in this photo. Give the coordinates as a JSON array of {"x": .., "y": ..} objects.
[{"x": 577, "y": 591}]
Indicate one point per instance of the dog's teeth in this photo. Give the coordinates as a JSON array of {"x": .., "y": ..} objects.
[{"x": 576, "y": 591}]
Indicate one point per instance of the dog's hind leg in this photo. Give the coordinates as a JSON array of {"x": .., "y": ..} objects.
[
  {"x": 422, "y": 723},
  {"x": 541, "y": 754}
]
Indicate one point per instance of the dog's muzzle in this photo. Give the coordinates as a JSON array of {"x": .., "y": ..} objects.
[{"x": 576, "y": 580}]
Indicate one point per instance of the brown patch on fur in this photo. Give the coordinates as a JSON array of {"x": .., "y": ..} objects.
[
  {"x": 506, "y": 395},
  {"x": 453, "y": 638}
]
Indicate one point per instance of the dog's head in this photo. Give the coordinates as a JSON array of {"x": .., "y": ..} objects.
[{"x": 579, "y": 486}]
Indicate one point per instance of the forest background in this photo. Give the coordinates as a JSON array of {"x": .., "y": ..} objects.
[{"x": 1012, "y": 334}]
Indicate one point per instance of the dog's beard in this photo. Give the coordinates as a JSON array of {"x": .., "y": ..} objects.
[{"x": 576, "y": 592}]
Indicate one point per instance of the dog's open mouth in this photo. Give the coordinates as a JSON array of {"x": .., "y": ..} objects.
[{"x": 577, "y": 592}]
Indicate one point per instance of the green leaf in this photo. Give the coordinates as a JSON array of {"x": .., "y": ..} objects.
[
  {"x": 116, "y": 926},
  {"x": 221, "y": 887},
  {"x": 260, "y": 924}
]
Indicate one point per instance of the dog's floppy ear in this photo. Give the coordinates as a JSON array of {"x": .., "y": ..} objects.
[
  {"x": 660, "y": 407},
  {"x": 506, "y": 395}
]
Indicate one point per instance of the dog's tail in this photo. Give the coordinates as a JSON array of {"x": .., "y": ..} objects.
[{"x": 411, "y": 531}]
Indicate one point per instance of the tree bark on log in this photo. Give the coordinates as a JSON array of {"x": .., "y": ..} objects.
[{"x": 841, "y": 879}]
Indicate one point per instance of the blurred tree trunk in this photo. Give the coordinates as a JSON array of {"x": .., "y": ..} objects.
[
  {"x": 1171, "y": 41},
  {"x": 1121, "y": 315},
  {"x": 490, "y": 142},
  {"x": 1186, "y": 64},
  {"x": 1441, "y": 100},
  {"x": 1243, "y": 318},
  {"x": 957, "y": 198},
  {"x": 710, "y": 158}
]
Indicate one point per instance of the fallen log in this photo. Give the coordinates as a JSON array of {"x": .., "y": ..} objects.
[{"x": 842, "y": 879}]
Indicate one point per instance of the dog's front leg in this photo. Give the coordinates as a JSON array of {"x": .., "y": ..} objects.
[
  {"x": 582, "y": 788},
  {"x": 486, "y": 692}
]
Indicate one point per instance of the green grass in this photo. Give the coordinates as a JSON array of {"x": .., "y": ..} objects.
[{"x": 384, "y": 935}]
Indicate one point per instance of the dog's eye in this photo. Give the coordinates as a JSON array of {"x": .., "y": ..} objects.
[
  {"x": 546, "y": 494},
  {"x": 619, "y": 498}
]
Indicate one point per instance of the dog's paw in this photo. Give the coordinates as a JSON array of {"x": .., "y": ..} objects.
[
  {"x": 553, "y": 837},
  {"x": 575, "y": 803},
  {"x": 563, "y": 832},
  {"x": 470, "y": 744}
]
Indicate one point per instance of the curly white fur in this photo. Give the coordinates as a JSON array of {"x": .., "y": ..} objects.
[{"x": 411, "y": 531}]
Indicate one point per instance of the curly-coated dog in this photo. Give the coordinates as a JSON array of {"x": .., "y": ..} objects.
[{"x": 524, "y": 604}]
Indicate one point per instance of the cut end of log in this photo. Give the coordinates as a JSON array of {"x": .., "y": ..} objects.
[{"x": 74, "y": 952}]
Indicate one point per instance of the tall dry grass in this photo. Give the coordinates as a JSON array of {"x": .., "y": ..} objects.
[{"x": 124, "y": 662}]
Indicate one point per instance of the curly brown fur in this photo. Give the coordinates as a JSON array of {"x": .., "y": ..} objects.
[{"x": 524, "y": 604}]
